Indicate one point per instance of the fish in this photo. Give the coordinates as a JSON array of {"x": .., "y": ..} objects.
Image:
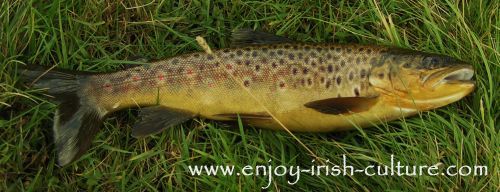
[{"x": 264, "y": 80}]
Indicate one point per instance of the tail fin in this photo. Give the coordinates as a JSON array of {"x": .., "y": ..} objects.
[{"x": 76, "y": 121}]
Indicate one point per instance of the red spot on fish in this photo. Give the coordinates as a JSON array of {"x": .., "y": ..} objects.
[
  {"x": 107, "y": 86},
  {"x": 161, "y": 77},
  {"x": 135, "y": 78},
  {"x": 190, "y": 72},
  {"x": 229, "y": 66},
  {"x": 282, "y": 85}
]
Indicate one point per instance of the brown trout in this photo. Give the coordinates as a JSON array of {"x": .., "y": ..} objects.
[{"x": 307, "y": 87}]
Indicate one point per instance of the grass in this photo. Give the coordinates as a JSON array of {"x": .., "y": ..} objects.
[{"x": 103, "y": 35}]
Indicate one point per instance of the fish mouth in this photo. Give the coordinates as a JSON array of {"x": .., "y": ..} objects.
[
  {"x": 463, "y": 75},
  {"x": 459, "y": 75}
]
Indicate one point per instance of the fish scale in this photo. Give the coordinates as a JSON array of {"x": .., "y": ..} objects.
[{"x": 324, "y": 71}]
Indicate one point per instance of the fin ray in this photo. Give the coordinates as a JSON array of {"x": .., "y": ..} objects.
[
  {"x": 343, "y": 105},
  {"x": 76, "y": 121},
  {"x": 157, "y": 118},
  {"x": 246, "y": 116},
  {"x": 245, "y": 37}
]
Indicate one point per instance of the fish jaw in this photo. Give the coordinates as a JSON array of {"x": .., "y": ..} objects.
[{"x": 438, "y": 88}]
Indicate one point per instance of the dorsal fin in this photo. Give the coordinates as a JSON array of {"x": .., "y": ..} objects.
[{"x": 246, "y": 36}]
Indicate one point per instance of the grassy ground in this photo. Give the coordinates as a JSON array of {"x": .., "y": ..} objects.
[{"x": 101, "y": 35}]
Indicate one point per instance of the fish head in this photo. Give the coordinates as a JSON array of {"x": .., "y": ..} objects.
[{"x": 422, "y": 81}]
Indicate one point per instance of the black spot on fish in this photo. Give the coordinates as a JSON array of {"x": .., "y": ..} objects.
[
  {"x": 351, "y": 76},
  {"x": 239, "y": 52},
  {"x": 210, "y": 57},
  {"x": 303, "y": 82},
  {"x": 356, "y": 92},
  {"x": 282, "y": 84},
  {"x": 338, "y": 49},
  {"x": 381, "y": 75},
  {"x": 358, "y": 60},
  {"x": 328, "y": 83},
  {"x": 300, "y": 55},
  {"x": 407, "y": 65},
  {"x": 231, "y": 55},
  {"x": 196, "y": 55},
  {"x": 319, "y": 49},
  {"x": 291, "y": 56},
  {"x": 322, "y": 79},
  {"x": 254, "y": 54},
  {"x": 339, "y": 80},
  {"x": 348, "y": 50},
  {"x": 247, "y": 49},
  {"x": 257, "y": 67},
  {"x": 225, "y": 50},
  {"x": 265, "y": 49},
  {"x": 307, "y": 48},
  {"x": 280, "y": 52},
  {"x": 247, "y": 62},
  {"x": 369, "y": 51},
  {"x": 272, "y": 53},
  {"x": 313, "y": 64},
  {"x": 239, "y": 62},
  {"x": 274, "y": 65},
  {"x": 330, "y": 68},
  {"x": 362, "y": 74},
  {"x": 320, "y": 60},
  {"x": 286, "y": 46},
  {"x": 337, "y": 68},
  {"x": 342, "y": 63},
  {"x": 329, "y": 56},
  {"x": 361, "y": 49},
  {"x": 295, "y": 47},
  {"x": 380, "y": 61},
  {"x": 309, "y": 81},
  {"x": 305, "y": 70},
  {"x": 246, "y": 83}
]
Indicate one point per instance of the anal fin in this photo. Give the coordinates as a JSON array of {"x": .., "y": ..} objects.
[{"x": 157, "y": 118}]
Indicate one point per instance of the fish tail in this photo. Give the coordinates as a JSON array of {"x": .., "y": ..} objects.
[{"x": 76, "y": 120}]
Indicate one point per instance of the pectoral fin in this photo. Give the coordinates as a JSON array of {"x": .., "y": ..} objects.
[
  {"x": 155, "y": 119},
  {"x": 344, "y": 105}
]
